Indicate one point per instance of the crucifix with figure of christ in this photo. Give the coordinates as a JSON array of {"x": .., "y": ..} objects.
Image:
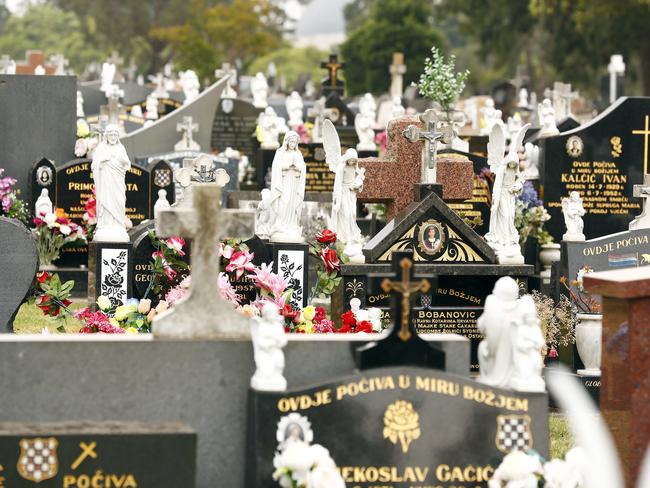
[
  {"x": 203, "y": 313},
  {"x": 430, "y": 135},
  {"x": 403, "y": 346},
  {"x": 333, "y": 65}
]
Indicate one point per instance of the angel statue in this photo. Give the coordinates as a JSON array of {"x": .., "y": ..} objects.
[
  {"x": 508, "y": 183},
  {"x": 288, "y": 176},
  {"x": 573, "y": 212},
  {"x": 347, "y": 182}
]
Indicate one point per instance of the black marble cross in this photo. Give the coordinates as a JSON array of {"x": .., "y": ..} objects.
[{"x": 403, "y": 345}]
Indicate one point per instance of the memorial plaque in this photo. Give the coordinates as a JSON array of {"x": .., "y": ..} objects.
[
  {"x": 234, "y": 126},
  {"x": 400, "y": 427},
  {"x": 602, "y": 160},
  {"x": 97, "y": 454}
]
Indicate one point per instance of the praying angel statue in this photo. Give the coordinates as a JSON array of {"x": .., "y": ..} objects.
[{"x": 347, "y": 183}]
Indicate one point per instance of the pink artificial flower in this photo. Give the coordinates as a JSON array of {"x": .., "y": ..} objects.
[
  {"x": 266, "y": 279},
  {"x": 225, "y": 251},
  {"x": 175, "y": 295},
  {"x": 7, "y": 202},
  {"x": 80, "y": 148},
  {"x": 552, "y": 353},
  {"x": 324, "y": 326},
  {"x": 226, "y": 289},
  {"x": 169, "y": 271},
  {"x": 240, "y": 261},
  {"x": 176, "y": 243}
]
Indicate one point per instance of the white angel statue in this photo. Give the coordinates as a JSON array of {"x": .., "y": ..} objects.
[
  {"x": 347, "y": 183},
  {"x": 508, "y": 183},
  {"x": 573, "y": 212}
]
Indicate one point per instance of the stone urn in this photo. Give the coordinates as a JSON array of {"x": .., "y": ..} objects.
[
  {"x": 548, "y": 254},
  {"x": 589, "y": 341}
]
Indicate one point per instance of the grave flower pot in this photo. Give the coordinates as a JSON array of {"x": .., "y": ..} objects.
[
  {"x": 589, "y": 342},
  {"x": 548, "y": 254}
]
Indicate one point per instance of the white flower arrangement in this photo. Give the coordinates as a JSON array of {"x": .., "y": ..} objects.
[
  {"x": 521, "y": 470},
  {"x": 440, "y": 82},
  {"x": 300, "y": 465}
]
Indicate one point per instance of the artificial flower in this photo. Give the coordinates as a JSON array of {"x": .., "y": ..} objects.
[
  {"x": 80, "y": 148},
  {"x": 103, "y": 302},
  {"x": 363, "y": 326},
  {"x": 83, "y": 129},
  {"x": 560, "y": 474},
  {"x": 131, "y": 330},
  {"x": 319, "y": 314},
  {"x": 162, "y": 306},
  {"x": 326, "y": 236},
  {"x": 123, "y": 311},
  {"x": 176, "y": 243},
  {"x": 330, "y": 259},
  {"x": 226, "y": 290},
  {"x": 517, "y": 470},
  {"x": 308, "y": 313},
  {"x": 240, "y": 261},
  {"x": 348, "y": 319},
  {"x": 144, "y": 306},
  {"x": 324, "y": 326}
]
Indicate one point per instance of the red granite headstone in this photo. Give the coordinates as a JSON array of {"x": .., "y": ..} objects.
[
  {"x": 391, "y": 180},
  {"x": 625, "y": 386}
]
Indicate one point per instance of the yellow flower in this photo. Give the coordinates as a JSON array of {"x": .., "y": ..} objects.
[
  {"x": 306, "y": 326},
  {"x": 123, "y": 311},
  {"x": 103, "y": 302},
  {"x": 131, "y": 330},
  {"x": 308, "y": 313},
  {"x": 162, "y": 306},
  {"x": 144, "y": 306},
  {"x": 114, "y": 322},
  {"x": 83, "y": 129}
]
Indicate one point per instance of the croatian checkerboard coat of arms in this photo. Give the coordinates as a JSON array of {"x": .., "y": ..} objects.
[
  {"x": 162, "y": 177},
  {"x": 38, "y": 460},
  {"x": 513, "y": 432}
]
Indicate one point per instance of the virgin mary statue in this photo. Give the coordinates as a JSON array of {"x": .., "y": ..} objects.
[
  {"x": 288, "y": 175},
  {"x": 109, "y": 166}
]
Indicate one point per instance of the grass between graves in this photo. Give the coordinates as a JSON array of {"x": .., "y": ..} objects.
[{"x": 30, "y": 320}]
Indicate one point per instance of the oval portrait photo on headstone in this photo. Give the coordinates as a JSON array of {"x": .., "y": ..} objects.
[{"x": 431, "y": 237}]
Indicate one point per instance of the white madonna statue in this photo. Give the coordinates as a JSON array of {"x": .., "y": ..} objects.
[
  {"x": 288, "y": 176},
  {"x": 190, "y": 84},
  {"x": 269, "y": 338},
  {"x": 259, "y": 90},
  {"x": 364, "y": 123},
  {"x": 573, "y": 212},
  {"x": 348, "y": 181},
  {"x": 109, "y": 166},
  {"x": 503, "y": 236},
  {"x": 294, "y": 106},
  {"x": 546, "y": 114}
]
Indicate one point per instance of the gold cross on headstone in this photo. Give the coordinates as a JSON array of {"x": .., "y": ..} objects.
[
  {"x": 645, "y": 133},
  {"x": 405, "y": 287},
  {"x": 333, "y": 66}
]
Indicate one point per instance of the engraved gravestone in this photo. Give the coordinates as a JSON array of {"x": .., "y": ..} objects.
[
  {"x": 602, "y": 160},
  {"x": 234, "y": 126}
]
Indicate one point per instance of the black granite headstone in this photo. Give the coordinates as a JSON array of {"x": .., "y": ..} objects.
[
  {"x": 97, "y": 454},
  {"x": 38, "y": 120},
  {"x": 602, "y": 160},
  {"x": 234, "y": 126},
  {"x": 19, "y": 264},
  {"x": 400, "y": 427}
]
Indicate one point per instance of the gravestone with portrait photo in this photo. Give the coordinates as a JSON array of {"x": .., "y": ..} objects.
[
  {"x": 445, "y": 245},
  {"x": 602, "y": 160},
  {"x": 401, "y": 420}
]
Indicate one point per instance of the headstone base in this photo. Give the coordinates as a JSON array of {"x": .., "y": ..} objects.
[
  {"x": 110, "y": 272},
  {"x": 291, "y": 261}
]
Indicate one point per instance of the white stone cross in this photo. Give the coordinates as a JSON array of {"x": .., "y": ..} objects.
[
  {"x": 227, "y": 70},
  {"x": 397, "y": 70},
  {"x": 60, "y": 64},
  {"x": 203, "y": 313},
  {"x": 642, "y": 221},
  {"x": 160, "y": 91},
  {"x": 187, "y": 142},
  {"x": 430, "y": 135},
  {"x": 319, "y": 113},
  {"x": 562, "y": 96},
  {"x": 5, "y": 62},
  {"x": 198, "y": 169},
  {"x": 116, "y": 59},
  {"x": 114, "y": 110},
  {"x": 616, "y": 68}
]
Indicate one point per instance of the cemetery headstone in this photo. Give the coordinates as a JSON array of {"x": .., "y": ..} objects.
[
  {"x": 398, "y": 425},
  {"x": 34, "y": 59},
  {"x": 234, "y": 126},
  {"x": 39, "y": 115},
  {"x": 98, "y": 453},
  {"x": 602, "y": 160},
  {"x": 19, "y": 264}
]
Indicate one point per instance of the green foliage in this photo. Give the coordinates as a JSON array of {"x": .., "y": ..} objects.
[
  {"x": 392, "y": 25},
  {"x": 440, "y": 82},
  {"x": 292, "y": 62},
  {"x": 51, "y": 30}
]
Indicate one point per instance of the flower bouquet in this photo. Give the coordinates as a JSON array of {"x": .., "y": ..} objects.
[
  {"x": 10, "y": 204},
  {"x": 329, "y": 257},
  {"x": 53, "y": 231},
  {"x": 300, "y": 465}
]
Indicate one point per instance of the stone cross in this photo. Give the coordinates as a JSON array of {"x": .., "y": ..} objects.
[
  {"x": 319, "y": 113},
  {"x": 116, "y": 59},
  {"x": 405, "y": 287},
  {"x": 333, "y": 66},
  {"x": 33, "y": 60},
  {"x": 60, "y": 64},
  {"x": 430, "y": 136},
  {"x": 5, "y": 61},
  {"x": 187, "y": 142},
  {"x": 397, "y": 70},
  {"x": 616, "y": 68},
  {"x": 204, "y": 313},
  {"x": 562, "y": 96},
  {"x": 642, "y": 221},
  {"x": 199, "y": 169},
  {"x": 114, "y": 111},
  {"x": 227, "y": 70},
  {"x": 160, "y": 91}
]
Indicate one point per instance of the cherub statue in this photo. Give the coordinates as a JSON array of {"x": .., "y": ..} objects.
[
  {"x": 107, "y": 76},
  {"x": 260, "y": 90},
  {"x": 347, "y": 183},
  {"x": 546, "y": 114},
  {"x": 573, "y": 212},
  {"x": 269, "y": 338},
  {"x": 270, "y": 127},
  {"x": 528, "y": 344},
  {"x": 294, "y": 107},
  {"x": 503, "y": 236},
  {"x": 190, "y": 84},
  {"x": 364, "y": 123},
  {"x": 263, "y": 215},
  {"x": 490, "y": 116},
  {"x": 531, "y": 161}
]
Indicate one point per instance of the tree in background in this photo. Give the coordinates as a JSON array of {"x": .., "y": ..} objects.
[
  {"x": 390, "y": 25},
  {"x": 52, "y": 30},
  {"x": 292, "y": 63}
]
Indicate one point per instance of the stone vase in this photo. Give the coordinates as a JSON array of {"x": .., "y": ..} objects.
[
  {"x": 589, "y": 339},
  {"x": 548, "y": 254}
]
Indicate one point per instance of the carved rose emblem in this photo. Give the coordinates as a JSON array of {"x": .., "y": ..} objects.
[{"x": 401, "y": 423}]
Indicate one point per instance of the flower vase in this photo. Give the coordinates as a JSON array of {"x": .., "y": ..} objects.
[
  {"x": 548, "y": 254},
  {"x": 589, "y": 339},
  {"x": 325, "y": 303}
]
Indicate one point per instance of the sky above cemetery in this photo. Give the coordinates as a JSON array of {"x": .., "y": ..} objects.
[{"x": 320, "y": 22}]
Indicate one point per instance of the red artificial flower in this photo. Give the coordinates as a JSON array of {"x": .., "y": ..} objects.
[
  {"x": 326, "y": 236},
  {"x": 289, "y": 313},
  {"x": 553, "y": 353},
  {"x": 345, "y": 329},
  {"x": 38, "y": 222},
  {"x": 320, "y": 314},
  {"x": 330, "y": 259},
  {"x": 363, "y": 326},
  {"x": 348, "y": 319},
  {"x": 42, "y": 277}
]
